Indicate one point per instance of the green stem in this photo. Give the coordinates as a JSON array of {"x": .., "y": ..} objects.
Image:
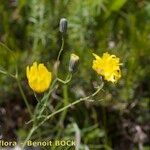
[
  {"x": 68, "y": 106},
  {"x": 62, "y": 109},
  {"x": 59, "y": 54},
  {"x": 36, "y": 97},
  {"x": 63, "y": 114},
  {"x": 28, "y": 137},
  {"x": 66, "y": 101},
  {"x": 67, "y": 80},
  {"x": 61, "y": 49},
  {"x": 2, "y": 44},
  {"x": 38, "y": 111},
  {"x": 45, "y": 100},
  {"x": 6, "y": 73},
  {"x": 23, "y": 96}
]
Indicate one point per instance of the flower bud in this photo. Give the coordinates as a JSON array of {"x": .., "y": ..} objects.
[
  {"x": 63, "y": 25},
  {"x": 73, "y": 64}
]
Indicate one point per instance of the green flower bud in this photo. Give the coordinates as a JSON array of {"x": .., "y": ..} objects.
[
  {"x": 74, "y": 62},
  {"x": 63, "y": 25}
]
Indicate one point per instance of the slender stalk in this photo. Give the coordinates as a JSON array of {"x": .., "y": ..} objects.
[
  {"x": 24, "y": 97},
  {"x": 35, "y": 95},
  {"x": 6, "y": 73},
  {"x": 70, "y": 105},
  {"x": 61, "y": 49},
  {"x": 12, "y": 53},
  {"x": 66, "y": 101},
  {"x": 42, "y": 102},
  {"x": 47, "y": 97},
  {"x": 52, "y": 87},
  {"x": 63, "y": 114},
  {"x": 59, "y": 54},
  {"x": 8, "y": 49},
  {"x": 67, "y": 80},
  {"x": 28, "y": 137},
  {"x": 60, "y": 110},
  {"x": 16, "y": 77}
]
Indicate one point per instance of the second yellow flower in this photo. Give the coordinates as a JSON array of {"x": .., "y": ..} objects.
[{"x": 108, "y": 66}]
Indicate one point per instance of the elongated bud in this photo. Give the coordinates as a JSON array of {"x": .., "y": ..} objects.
[
  {"x": 63, "y": 25},
  {"x": 74, "y": 62}
]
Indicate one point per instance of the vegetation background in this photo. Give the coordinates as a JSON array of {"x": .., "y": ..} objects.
[{"x": 30, "y": 28}]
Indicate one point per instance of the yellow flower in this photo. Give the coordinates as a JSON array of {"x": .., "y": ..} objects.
[
  {"x": 39, "y": 78},
  {"x": 108, "y": 66}
]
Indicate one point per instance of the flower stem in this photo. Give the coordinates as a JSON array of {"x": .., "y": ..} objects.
[
  {"x": 64, "y": 113},
  {"x": 69, "y": 105},
  {"x": 62, "y": 109},
  {"x": 24, "y": 97},
  {"x": 61, "y": 49},
  {"x": 67, "y": 80},
  {"x": 28, "y": 137},
  {"x": 6, "y": 73}
]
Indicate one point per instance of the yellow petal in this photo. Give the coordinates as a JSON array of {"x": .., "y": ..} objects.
[
  {"x": 39, "y": 78},
  {"x": 108, "y": 66}
]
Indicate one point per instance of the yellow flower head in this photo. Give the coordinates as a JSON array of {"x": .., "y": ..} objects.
[
  {"x": 108, "y": 66},
  {"x": 39, "y": 78}
]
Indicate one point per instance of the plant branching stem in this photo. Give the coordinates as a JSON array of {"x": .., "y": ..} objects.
[
  {"x": 67, "y": 80},
  {"x": 60, "y": 110}
]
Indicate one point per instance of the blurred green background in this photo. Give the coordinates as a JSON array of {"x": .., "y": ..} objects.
[{"x": 30, "y": 28}]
